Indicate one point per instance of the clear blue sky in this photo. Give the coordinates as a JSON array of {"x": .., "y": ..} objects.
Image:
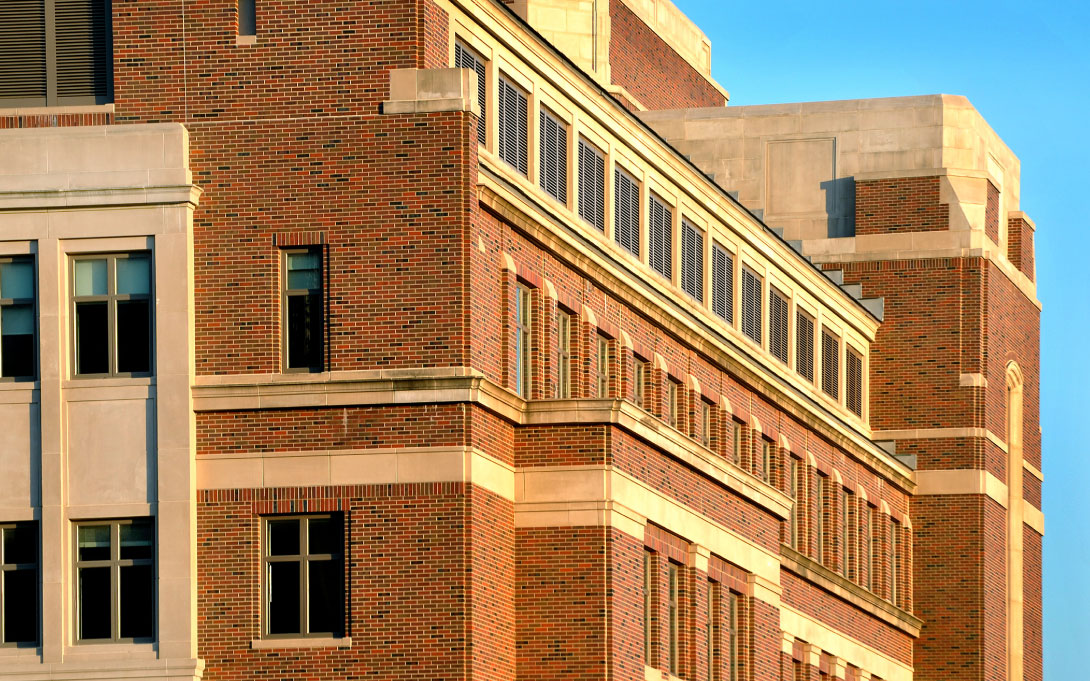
[{"x": 1024, "y": 66}]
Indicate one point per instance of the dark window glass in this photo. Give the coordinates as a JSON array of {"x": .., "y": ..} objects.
[
  {"x": 94, "y": 603},
  {"x": 304, "y": 576},
  {"x": 136, "y": 591},
  {"x": 19, "y": 584},
  {"x": 112, "y": 296},
  {"x": 133, "y": 336},
  {"x": 284, "y": 537},
  {"x": 17, "y": 322},
  {"x": 247, "y": 17},
  {"x": 116, "y": 580},
  {"x": 303, "y": 307},
  {"x": 283, "y": 588}
]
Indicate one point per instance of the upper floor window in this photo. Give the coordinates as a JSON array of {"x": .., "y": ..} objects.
[
  {"x": 853, "y": 375},
  {"x": 115, "y": 580},
  {"x": 660, "y": 225},
  {"x": 736, "y": 438},
  {"x": 672, "y": 402},
  {"x": 674, "y": 620},
  {"x": 553, "y": 156},
  {"x": 56, "y": 53},
  {"x": 112, "y": 300},
  {"x": 465, "y": 58},
  {"x": 304, "y": 577},
  {"x": 751, "y": 305},
  {"x": 602, "y": 372},
  {"x": 17, "y": 318},
  {"x": 303, "y": 307},
  {"x": 845, "y": 543},
  {"x": 513, "y": 125},
  {"x": 732, "y": 635},
  {"x": 777, "y": 324},
  {"x": 766, "y": 460},
  {"x": 705, "y": 423},
  {"x": 793, "y": 492},
  {"x": 648, "y": 571},
  {"x": 522, "y": 341},
  {"x": 723, "y": 283},
  {"x": 819, "y": 527},
  {"x": 830, "y": 364},
  {"x": 804, "y": 345},
  {"x": 692, "y": 261},
  {"x": 18, "y": 584},
  {"x": 626, "y": 212},
  {"x": 592, "y": 185},
  {"x": 563, "y": 354},
  {"x": 247, "y": 17},
  {"x": 639, "y": 381},
  {"x": 894, "y": 562}
]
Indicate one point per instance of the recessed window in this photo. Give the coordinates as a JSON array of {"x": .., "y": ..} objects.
[
  {"x": 626, "y": 212},
  {"x": 793, "y": 492},
  {"x": 660, "y": 234},
  {"x": 830, "y": 364},
  {"x": 247, "y": 17},
  {"x": 733, "y": 600},
  {"x": 303, "y": 303},
  {"x": 522, "y": 341},
  {"x": 672, "y": 402},
  {"x": 692, "y": 261},
  {"x": 736, "y": 437},
  {"x": 766, "y": 460},
  {"x": 751, "y": 305},
  {"x": 17, "y": 318},
  {"x": 513, "y": 136},
  {"x": 592, "y": 185},
  {"x": 894, "y": 562},
  {"x": 777, "y": 324},
  {"x": 56, "y": 53},
  {"x": 304, "y": 576},
  {"x": 115, "y": 580},
  {"x": 804, "y": 345},
  {"x": 722, "y": 283},
  {"x": 466, "y": 58},
  {"x": 602, "y": 370},
  {"x": 563, "y": 354},
  {"x": 705, "y": 424},
  {"x": 19, "y": 584},
  {"x": 113, "y": 314},
  {"x": 845, "y": 546},
  {"x": 553, "y": 156},
  {"x": 819, "y": 528},
  {"x": 710, "y": 628},
  {"x": 674, "y": 618},
  {"x": 639, "y": 381},
  {"x": 648, "y": 567},
  {"x": 853, "y": 370}
]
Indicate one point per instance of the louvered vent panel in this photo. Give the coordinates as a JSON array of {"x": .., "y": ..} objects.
[
  {"x": 692, "y": 261},
  {"x": 513, "y": 126},
  {"x": 661, "y": 248},
  {"x": 854, "y": 375},
  {"x": 22, "y": 50},
  {"x": 722, "y": 283},
  {"x": 626, "y": 221},
  {"x": 592, "y": 186},
  {"x": 83, "y": 58},
  {"x": 464, "y": 58},
  {"x": 777, "y": 325},
  {"x": 830, "y": 365},
  {"x": 751, "y": 305},
  {"x": 553, "y": 165},
  {"x": 804, "y": 346}
]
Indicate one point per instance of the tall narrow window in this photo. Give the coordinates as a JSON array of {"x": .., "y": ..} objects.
[
  {"x": 247, "y": 17},
  {"x": 692, "y": 261},
  {"x": 732, "y": 635},
  {"x": 113, "y": 314},
  {"x": 844, "y": 544},
  {"x": 553, "y": 156},
  {"x": 853, "y": 370},
  {"x": 660, "y": 226},
  {"x": 56, "y": 53},
  {"x": 705, "y": 424},
  {"x": 766, "y": 460},
  {"x": 722, "y": 283},
  {"x": 710, "y": 627},
  {"x": 777, "y": 324},
  {"x": 602, "y": 373},
  {"x": 674, "y": 619},
  {"x": 804, "y": 345},
  {"x": 563, "y": 354},
  {"x": 304, "y": 577},
  {"x": 115, "y": 580},
  {"x": 465, "y": 58},
  {"x": 592, "y": 186},
  {"x": 513, "y": 128},
  {"x": 830, "y": 364},
  {"x": 872, "y": 517},
  {"x": 736, "y": 436},
  {"x": 522, "y": 341},
  {"x": 894, "y": 563},
  {"x": 793, "y": 492},
  {"x": 17, "y": 318},
  {"x": 672, "y": 401},
  {"x": 18, "y": 584},
  {"x": 648, "y": 565},
  {"x": 751, "y": 305},
  {"x": 626, "y": 212},
  {"x": 819, "y": 527},
  {"x": 639, "y": 381},
  {"x": 303, "y": 305}
]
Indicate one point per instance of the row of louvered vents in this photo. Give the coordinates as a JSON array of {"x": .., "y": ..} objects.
[
  {"x": 81, "y": 44},
  {"x": 553, "y": 178}
]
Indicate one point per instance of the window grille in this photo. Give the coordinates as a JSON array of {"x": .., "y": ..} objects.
[
  {"x": 553, "y": 157},
  {"x": 626, "y": 213},
  {"x": 660, "y": 220},
  {"x": 723, "y": 283},
  {"x": 751, "y": 305},
  {"x": 465, "y": 58},
  {"x": 853, "y": 369},
  {"x": 777, "y": 324},
  {"x": 692, "y": 261},
  {"x": 513, "y": 112},
  {"x": 804, "y": 346},
  {"x": 830, "y": 364},
  {"x": 592, "y": 186}
]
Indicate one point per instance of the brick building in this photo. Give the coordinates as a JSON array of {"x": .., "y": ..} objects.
[{"x": 436, "y": 339}]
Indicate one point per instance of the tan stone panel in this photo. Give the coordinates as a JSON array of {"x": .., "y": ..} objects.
[
  {"x": 20, "y": 456},
  {"x": 111, "y": 455},
  {"x": 797, "y": 171}
]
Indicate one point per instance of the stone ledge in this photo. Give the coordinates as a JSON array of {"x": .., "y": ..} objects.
[{"x": 432, "y": 90}]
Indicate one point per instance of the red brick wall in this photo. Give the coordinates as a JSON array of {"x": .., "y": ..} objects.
[
  {"x": 1020, "y": 245},
  {"x": 908, "y": 204},
  {"x": 642, "y": 63},
  {"x": 1033, "y": 651}
]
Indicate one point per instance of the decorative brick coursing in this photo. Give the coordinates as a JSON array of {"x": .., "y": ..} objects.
[
  {"x": 657, "y": 76},
  {"x": 908, "y": 204},
  {"x": 54, "y": 120}
]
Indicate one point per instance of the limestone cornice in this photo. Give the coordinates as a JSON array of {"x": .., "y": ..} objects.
[{"x": 100, "y": 198}]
